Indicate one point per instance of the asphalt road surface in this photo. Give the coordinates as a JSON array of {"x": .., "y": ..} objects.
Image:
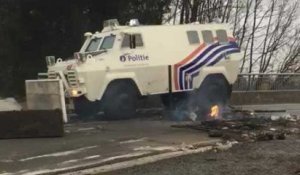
[
  {"x": 280, "y": 157},
  {"x": 93, "y": 143}
]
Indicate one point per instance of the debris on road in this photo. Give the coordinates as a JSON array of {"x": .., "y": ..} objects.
[{"x": 245, "y": 126}]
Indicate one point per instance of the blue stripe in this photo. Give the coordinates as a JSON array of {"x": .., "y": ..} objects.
[
  {"x": 208, "y": 49},
  {"x": 196, "y": 67},
  {"x": 231, "y": 46},
  {"x": 213, "y": 63},
  {"x": 182, "y": 82},
  {"x": 236, "y": 50}
]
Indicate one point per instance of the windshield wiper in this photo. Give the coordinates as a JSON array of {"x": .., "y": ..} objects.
[{"x": 103, "y": 51}]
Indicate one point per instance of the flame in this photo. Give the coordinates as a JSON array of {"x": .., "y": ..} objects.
[{"x": 214, "y": 111}]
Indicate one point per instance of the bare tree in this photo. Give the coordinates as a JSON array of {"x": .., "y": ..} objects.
[
  {"x": 291, "y": 61},
  {"x": 262, "y": 28}
]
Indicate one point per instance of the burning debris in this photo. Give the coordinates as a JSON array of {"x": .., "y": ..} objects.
[
  {"x": 215, "y": 112},
  {"x": 246, "y": 126}
]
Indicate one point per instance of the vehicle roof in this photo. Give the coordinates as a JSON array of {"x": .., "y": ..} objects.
[{"x": 210, "y": 26}]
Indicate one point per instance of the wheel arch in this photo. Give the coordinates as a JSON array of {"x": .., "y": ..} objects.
[
  {"x": 112, "y": 80},
  {"x": 208, "y": 73},
  {"x": 219, "y": 78},
  {"x": 214, "y": 77}
]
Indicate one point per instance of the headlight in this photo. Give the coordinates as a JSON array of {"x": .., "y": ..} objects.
[{"x": 74, "y": 92}]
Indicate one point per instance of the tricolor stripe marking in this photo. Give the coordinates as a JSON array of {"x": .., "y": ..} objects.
[{"x": 209, "y": 55}]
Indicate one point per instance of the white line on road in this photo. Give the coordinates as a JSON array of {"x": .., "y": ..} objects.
[
  {"x": 139, "y": 161},
  {"x": 150, "y": 159},
  {"x": 58, "y": 154},
  {"x": 70, "y": 161},
  {"x": 133, "y": 140},
  {"x": 135, "y": 154},
  {"x": 158, "y": 148},
  {"x": 85, "y": 129},
  {"x": 56, "y": 171},
  {"x": 91, "y": 157},
  {"x": 127, "y": 164}
]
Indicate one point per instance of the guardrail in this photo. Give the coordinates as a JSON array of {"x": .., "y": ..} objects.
[{"x": 267, "y": 82}]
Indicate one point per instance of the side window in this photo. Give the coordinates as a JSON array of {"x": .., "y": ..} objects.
[
  {"x": 193, "y": 37},
  {"x": 138, "y": 40},
  {"x": 207, "y": 36},
  {"x": 222, "y": 36},
  {"x": 126, "y": 41},
  {"x": 108, "y": 42},
  {"x": 132, "y": 41},
  {"x": 93, "y": 45}
]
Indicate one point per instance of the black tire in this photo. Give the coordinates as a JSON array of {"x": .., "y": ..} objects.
[
  {"x": 85, "y": 108},
  {"x": 214, "y": 90},
  {"x": 120, "y": 101}
]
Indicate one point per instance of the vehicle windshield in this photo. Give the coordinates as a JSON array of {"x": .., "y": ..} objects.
[
  {"x": 108, "y": 42},
  {"x": 93, "y": 45}
]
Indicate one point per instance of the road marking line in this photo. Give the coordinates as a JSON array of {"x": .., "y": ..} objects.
[
  {"x": 135, "y": 154},
  {"x": 58, "y": 154},
  {"x": 86, "y": 129},
  {"x": 133, "y": 140},
  {"x": 158, "y": 148},
  {"x": 73, "y": 170},
  {"x": 71, "y": 161},
  {"x": 92, "y": 157},
  {"x": 139, "y": 161}
]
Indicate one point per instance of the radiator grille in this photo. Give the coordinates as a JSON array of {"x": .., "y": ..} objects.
[
  {"x": 72, "y": 78},
  {"x": 52, "y": 75}
]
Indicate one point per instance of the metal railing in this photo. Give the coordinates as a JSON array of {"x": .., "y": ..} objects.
[{"x": 268, "y": 82}]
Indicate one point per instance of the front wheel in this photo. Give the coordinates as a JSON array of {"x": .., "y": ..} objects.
[
  {"x": 85, "y": 108},
  {"x": 120, "y": 101}
]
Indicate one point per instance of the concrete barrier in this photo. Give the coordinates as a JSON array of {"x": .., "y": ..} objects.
[
  {"x": 264, "y": 97},
  {"x": 46, "y": 94},
  {"x": 32, "y": 123}
]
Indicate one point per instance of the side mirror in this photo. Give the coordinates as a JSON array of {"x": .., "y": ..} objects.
[{"x": 81, "y": 58}]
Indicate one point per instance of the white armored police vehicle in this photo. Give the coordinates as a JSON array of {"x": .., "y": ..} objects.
[{"x": 116, "y": 67}]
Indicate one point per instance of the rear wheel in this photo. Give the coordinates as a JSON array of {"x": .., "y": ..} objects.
[
  {"x": 120, "y": 101},
  {"x": 215, "y": 90}
]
